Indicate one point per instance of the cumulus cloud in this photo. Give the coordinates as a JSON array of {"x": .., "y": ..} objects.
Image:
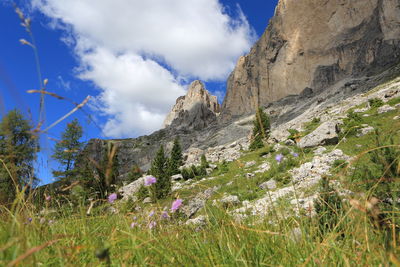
[{"x": 140, "y": 54}]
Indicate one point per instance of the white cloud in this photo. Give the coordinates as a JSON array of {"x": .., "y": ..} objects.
[{"x": 130, "y": 48}]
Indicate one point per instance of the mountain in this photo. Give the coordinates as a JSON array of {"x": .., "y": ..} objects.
[
  {"x": 196, "y": 110},
  {"x": 314, "y": 55},
  {"x": 311, "y": 45}
]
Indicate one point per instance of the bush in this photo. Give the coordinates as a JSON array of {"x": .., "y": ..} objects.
[
  {"x": 351, "y": 124},
  {"x": 187, "y": 173},
  {"x": 329, "y": 208},
  {"x": 375, "y": 102},
  {"x": 223, "y": 168},
  {"x": 294, "y": 135},
  {"x": 143, "y": 193},
  {"x": 379, "y": 173}
]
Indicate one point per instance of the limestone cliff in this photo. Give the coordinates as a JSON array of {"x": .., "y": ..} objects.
[
  {"x": 310, "y": 45},
  {"x": 195, "y": 110}
]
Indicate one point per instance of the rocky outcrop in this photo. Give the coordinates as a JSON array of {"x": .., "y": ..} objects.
[
  {"x": 196, "y": 110},
  {"x": 325, "y": 134},
  {"x": 310, "y": 45}
]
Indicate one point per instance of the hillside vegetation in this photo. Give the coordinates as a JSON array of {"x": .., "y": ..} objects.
[{"x": 336, "y": 204}]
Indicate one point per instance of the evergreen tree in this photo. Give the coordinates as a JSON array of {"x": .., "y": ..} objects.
[
  {"x": 67, "y": 150},
  {"x": 176, "y": 159},
  {"x": 261, "y": 129},
  {"x": 18, "y": 147},
  {"x": 158, "y": 169}
]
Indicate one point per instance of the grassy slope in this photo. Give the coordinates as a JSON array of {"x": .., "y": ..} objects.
[{"x": 72, "y": 240}]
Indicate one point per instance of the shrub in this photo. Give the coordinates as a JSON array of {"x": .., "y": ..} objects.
[
  {"x": 223, "y": 168},
  {"x": 375, "y": 102},
  {"x": 328, "y": 206},
  {"x": 351, "y": 124},
  {"x": 294, "y": 134}
]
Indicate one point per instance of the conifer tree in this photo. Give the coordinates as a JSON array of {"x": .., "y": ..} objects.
[
  {"x": 67, "y": 150},
  {"x": 261, "y": 129},
  {"x": 18, "y": 147},
  {"x": 158, "y": 169},
  {"x": 176, "y": 159}
]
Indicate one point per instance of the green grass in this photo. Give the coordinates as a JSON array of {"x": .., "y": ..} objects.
[
  {"x": 73, "y": 238},
  {"x": 73, "y": 241}
]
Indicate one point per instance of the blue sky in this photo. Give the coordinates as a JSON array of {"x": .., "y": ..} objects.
[{"x": 133, "y": 62}]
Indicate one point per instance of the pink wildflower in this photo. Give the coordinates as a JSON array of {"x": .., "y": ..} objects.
[
  {"x": 149, "y": 180},
  {"x": 279, "y": 158},
  {"x": 112, "y": 198},
  {"x": 176, "y": 205}
]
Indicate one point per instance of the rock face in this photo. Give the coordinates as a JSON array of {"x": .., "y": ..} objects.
[
  {"x": 325, "y": 134},
  {"x": 196, "y": 110},
  {"x": 310, "y": 45}
]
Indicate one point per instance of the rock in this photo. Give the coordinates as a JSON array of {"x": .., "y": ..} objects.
[
  {"x": 177, "y": 177},
  {"x": 176, "y": 186},
  {"x": 364, "y": 131},
  {"x": 198, "y": 202},
  {"x": 396, "y": 117},
  {"x": 397, "y": 105},
  {"x": 199, "y": 222},
  {"x": 270, "y": 185},
  {"x": 361, "y": 110},
  {"x": 385, "y": 108},
  {"x": 250, "y": 175},
  {"x": 302, "y": 51},
  {"x": 147, "y": 200},
  {"x": 320, "y": 150},
  {"x": 263, "y": 168},
  {"x": 307, "y": 175},
  {"x": 325, "y": 134},
  {"x": 290, "y": 142},
  {"x": 250, "y": 164},
  {"x": 230, "y": 200},
  {"x": 196, "y": 95},
  {"x": 130, "y": 190}
]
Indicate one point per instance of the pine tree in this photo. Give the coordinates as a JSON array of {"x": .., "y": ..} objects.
[
  {"x": 176, "y": 159},
  {"x": 18, "y": 147},
  {"x": 261, "y": 129},
  {"x": 67, "y": 150},
  {"x": 158, "y": 169}
]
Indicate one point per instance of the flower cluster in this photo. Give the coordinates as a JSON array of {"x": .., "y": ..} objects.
[{"x": 151, "y": 222}]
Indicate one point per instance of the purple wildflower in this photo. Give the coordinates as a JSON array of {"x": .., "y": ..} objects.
[
  {"x": 164, "y": 215},
  {"x": 112, "y": 197},
  {"x": 48, "y": 198},
  {"x": 151, "y": 214},
  {"x": 295, "y": 154},
  {"x": 133, "y": 224},
  {"x": 134, "y": 218},
  {"x": 176, "y": 205},
  {"x": 30, "y": 219},
  {"x": 279, "y": 158},
  {"x": 149, "y": 180},
  {"x": 152, "y": 225}
]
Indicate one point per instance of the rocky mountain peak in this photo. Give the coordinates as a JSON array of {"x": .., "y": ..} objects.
[
  {"x": 197, "y": 99},
  {"x": 312, "y": 45}
]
